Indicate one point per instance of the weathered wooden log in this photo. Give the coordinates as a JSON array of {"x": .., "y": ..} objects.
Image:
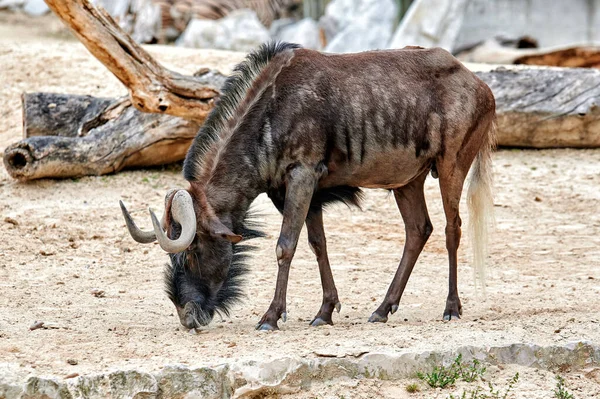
[
  {"x": 494, "y": 52},
  {"x": 54, "y": 114},
  {"x": 546, "y": 107},
  {"x": 572, "y": 57},
  {"x": 152, "y": 87},
  {"x": 95, "y": 142}
]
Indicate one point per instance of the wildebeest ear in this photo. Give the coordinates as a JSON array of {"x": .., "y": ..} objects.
[{"x": 218, "y": 229}]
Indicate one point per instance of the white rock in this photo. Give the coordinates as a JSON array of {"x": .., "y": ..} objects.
[
  {"x": 147, "y": 22},
  {"x": 431, "y": 23},
  {"x": 36, "y": 7},
  {"x": 239, "y": 31},
  {"x": 116, "y": 8},
  {"x": 304, "y": 32},
  {"x": 358, "y": 25}
]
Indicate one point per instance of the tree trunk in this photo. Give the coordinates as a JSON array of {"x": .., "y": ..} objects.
[{"x": 101, "y": 136}]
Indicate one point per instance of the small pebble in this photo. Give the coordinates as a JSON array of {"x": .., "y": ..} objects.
[
  {"x": 538, "y": 199},
  {"x": 47, "y": 252},
  {"x": 11, "y": 221},
  {"x": 97, "y": 293},
  {"x": 36, "y": 325},
  {"x": 72, "y": 362},
  {"x": 72, "y": 375}
]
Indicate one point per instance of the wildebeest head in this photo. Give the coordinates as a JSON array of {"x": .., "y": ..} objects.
[{"x": 206, "y": 265}]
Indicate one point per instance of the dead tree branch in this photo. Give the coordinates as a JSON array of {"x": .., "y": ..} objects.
[{"x": 152, "y": 87}]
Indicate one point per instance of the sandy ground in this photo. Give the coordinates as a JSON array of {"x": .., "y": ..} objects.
[{"x": 59, "y": 240}]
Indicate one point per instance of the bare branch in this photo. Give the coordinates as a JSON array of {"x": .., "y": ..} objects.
[{"x": 152, "y": 87}]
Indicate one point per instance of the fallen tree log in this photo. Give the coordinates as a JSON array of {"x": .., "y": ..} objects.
[
  {"x": 546, "y": 107},
  {"x": 494, "y": 51},
  {"x": 104, "y": 136},
  {"x": 53, "y": 114}
]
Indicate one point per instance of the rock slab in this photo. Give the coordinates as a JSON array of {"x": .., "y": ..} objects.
[{"x": 283, "y": 375}]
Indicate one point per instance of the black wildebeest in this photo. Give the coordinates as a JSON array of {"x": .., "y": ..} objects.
[{"x": 309, "y": 129}]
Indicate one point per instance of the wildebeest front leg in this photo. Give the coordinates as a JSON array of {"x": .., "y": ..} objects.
[
  {"x": 300, "y": 186},
  {"x": 316, "y": 240},
  {"x": 411, "y": 203}
]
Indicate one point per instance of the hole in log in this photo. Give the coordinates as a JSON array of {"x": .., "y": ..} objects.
[
  {"x": 163, "y": 108},
  {"x": 17, "y": 160}
]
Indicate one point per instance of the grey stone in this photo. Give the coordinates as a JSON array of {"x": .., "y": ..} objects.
[
  {"x": 279, "y": 25},
  {"x": 116, "y": 8},
  {"x": 358, "y": 25},
  {"x": 37, "y": 387},
  {"x": 132, "y": 384},
  {"x": 304, "y": 32},
  {"x": 431, "y": 23},
  {"x": 204, "y": 382},
  {"x": 36, "y": 7},
  {"x": 239, "y": 31},
  {"x": 94, "y": 386},
  {"x": 147, "y": 21}
]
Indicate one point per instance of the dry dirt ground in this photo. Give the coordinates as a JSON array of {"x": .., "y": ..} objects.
[{"x": 59, "y": 240}]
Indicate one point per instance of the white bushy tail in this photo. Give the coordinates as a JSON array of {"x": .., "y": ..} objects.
[{"x": 481, "y": 206}]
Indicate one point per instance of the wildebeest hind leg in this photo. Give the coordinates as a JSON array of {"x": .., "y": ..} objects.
[
  {"x": 451, "y": 185},
  {"x": 411, "y": 203},
  {"x": 316, "y": 240},
  {"x": 301, "y": 183}
]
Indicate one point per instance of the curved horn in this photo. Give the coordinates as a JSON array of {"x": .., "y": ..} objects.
[
  {"x": 141, "y": 236},
  {"x": 182, "y": 211}
]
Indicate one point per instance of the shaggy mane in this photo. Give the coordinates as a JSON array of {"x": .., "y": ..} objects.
[
  {"x": 241, "y": 90},
  {"x": 232, "y": 290}
]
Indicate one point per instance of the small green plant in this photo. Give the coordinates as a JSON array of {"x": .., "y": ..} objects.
[
  {"x": 560, "y": 392},
  {"x": 494, "y": 393},
  {"x": 469, "y": 373},
  {"x": 412, "y": 388},
  {"x": 441, "y": 377}
]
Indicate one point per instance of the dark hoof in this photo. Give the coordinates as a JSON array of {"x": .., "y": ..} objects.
[
  {"x": 266, "y": 327},
  {"x": 375, "y": 318},
  {"x": 320, "y": 322},
  {"x": 451, "y": 315},
  {"x": 394, "y": 309}
]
